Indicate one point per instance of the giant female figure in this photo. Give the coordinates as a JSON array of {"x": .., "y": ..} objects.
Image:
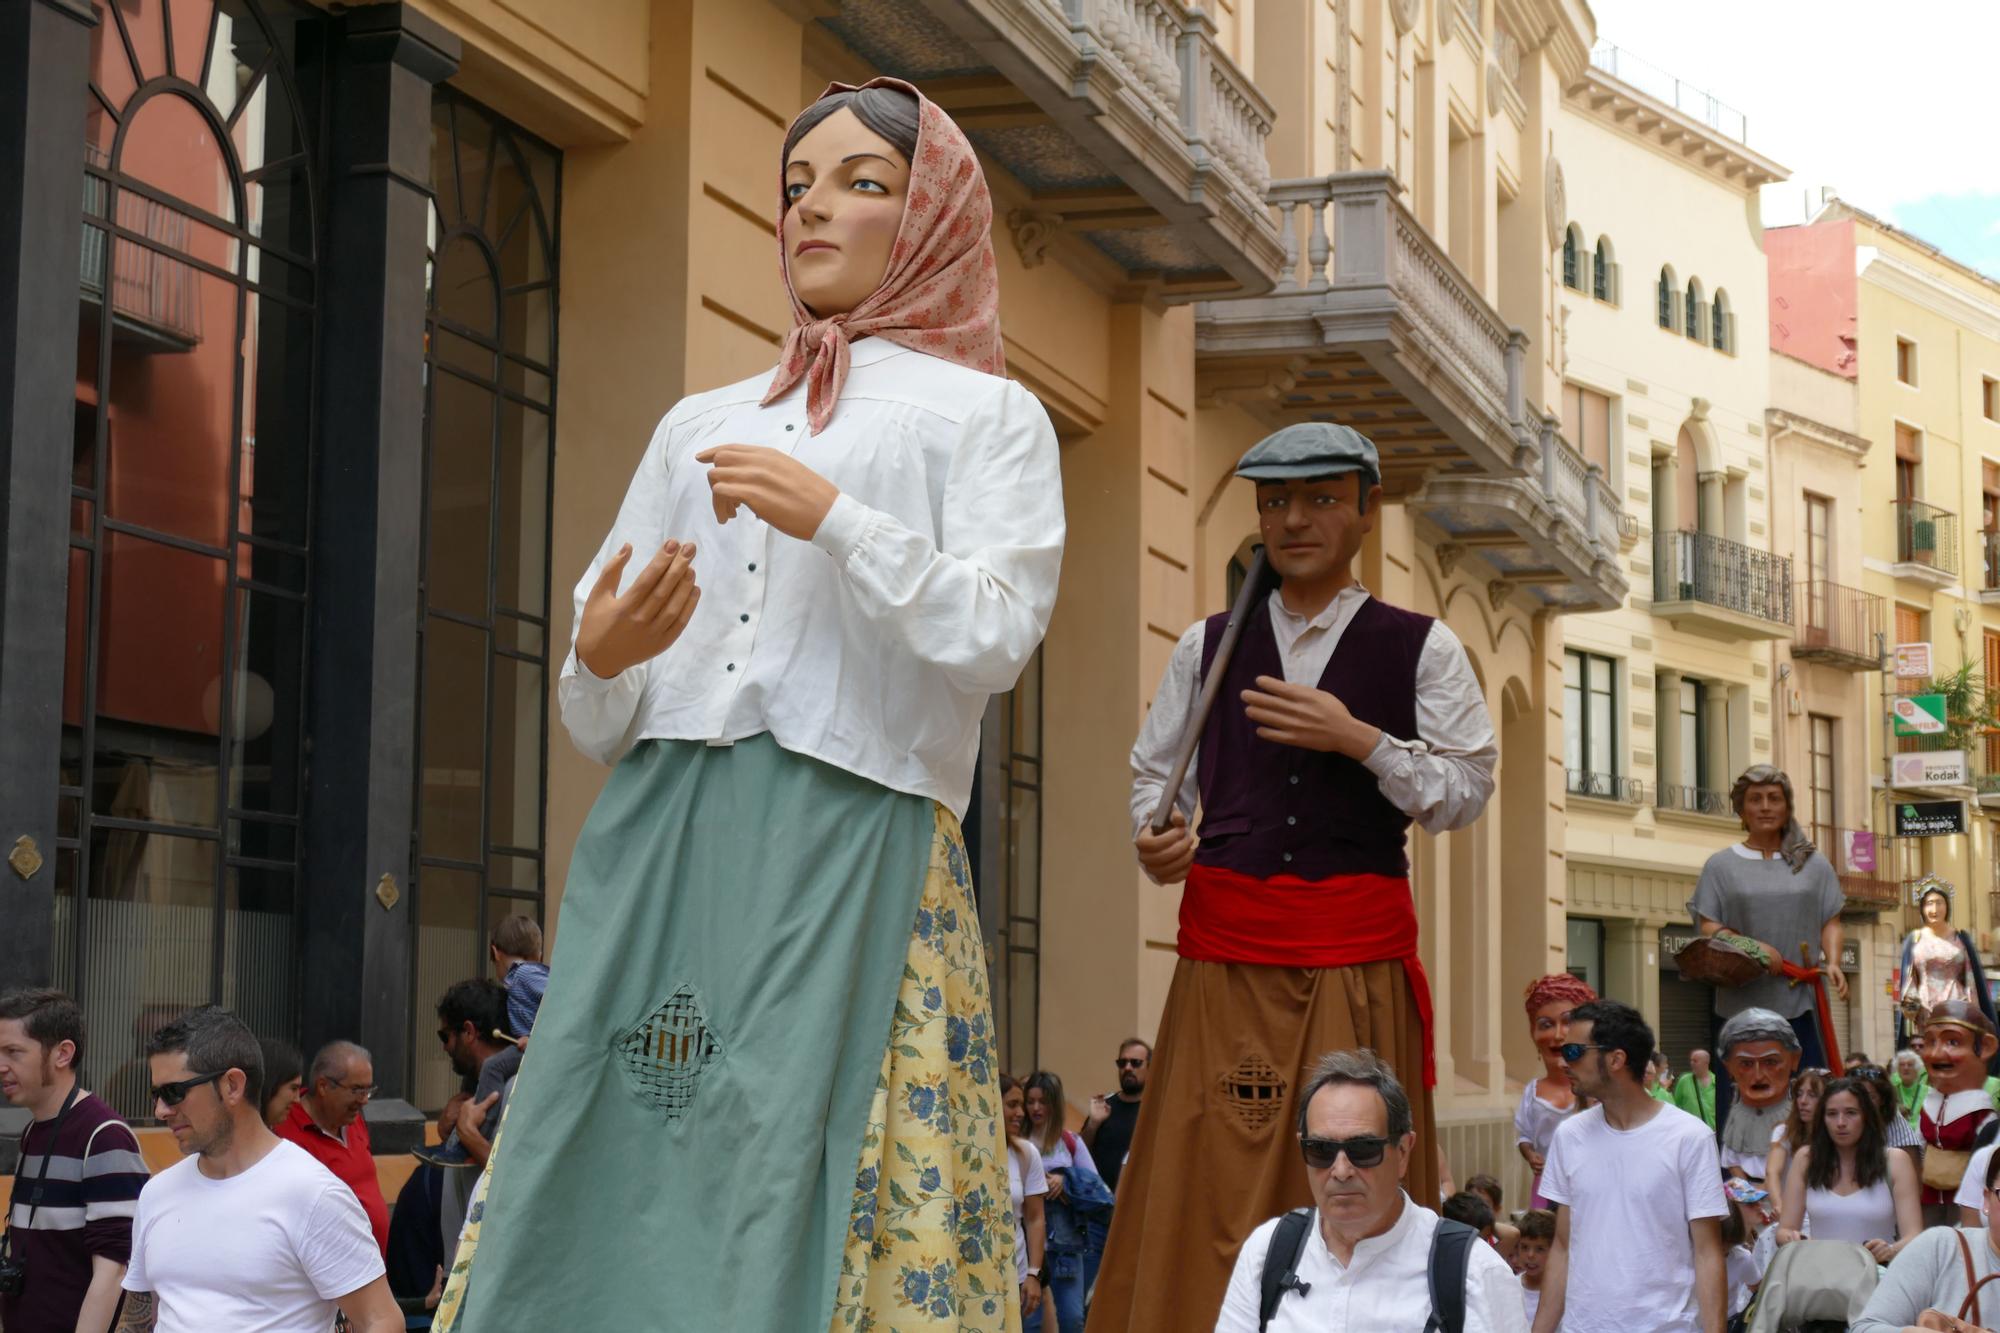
[{"x": 761, "y": 1092}]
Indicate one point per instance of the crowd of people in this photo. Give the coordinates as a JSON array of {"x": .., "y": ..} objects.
[{"x": 275, "y": 1217}]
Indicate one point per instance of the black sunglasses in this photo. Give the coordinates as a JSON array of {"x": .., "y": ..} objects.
[
  {"x": 1361, "y": 1153},
  {"x": 1124, "y": 1063},
  {"x": 1572, "y": 1051},
  {"x": 173, "y": 1094}
]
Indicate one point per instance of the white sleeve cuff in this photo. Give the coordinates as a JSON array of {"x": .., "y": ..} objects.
[
  {"x": 1387, "y": 748},
  {"x": 587, "y": 678},
  {"x": 840, "y": 532}
]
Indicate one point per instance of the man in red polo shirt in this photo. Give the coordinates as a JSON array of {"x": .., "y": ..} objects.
[{"x": 326, "y": 1121}]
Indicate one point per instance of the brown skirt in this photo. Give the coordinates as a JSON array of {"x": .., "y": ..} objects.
[{"x": 1220, "y": 1123}]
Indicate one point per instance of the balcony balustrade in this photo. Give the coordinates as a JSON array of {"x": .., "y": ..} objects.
[
  {"x": 1605, "y": 786},
  {"x": 1721, "y": 588},
  {"x": 1926, "y": 543},
  {"x": 1838, "y": 625},
  {"x": 1691, "y": 800}
]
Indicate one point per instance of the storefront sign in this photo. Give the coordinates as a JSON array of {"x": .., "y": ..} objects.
[
  {"x": 1913, "y": 661},
  {"x": 1939, "y": 768},
  {"x": 1918, "y": 714},
  {"x": 1857, "y": 851},
  {"x": 1675, "y": 938},
  {"x": 1929, "y": 819}
]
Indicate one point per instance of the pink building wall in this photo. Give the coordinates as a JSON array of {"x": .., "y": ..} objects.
[{"x": 1814, "y": 297}]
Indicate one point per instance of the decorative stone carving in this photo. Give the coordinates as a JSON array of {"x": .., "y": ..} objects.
[
  {"x": 1033, "y": 230},
  {"x": 386, "y": 892},
  {"x": 1496, "y": 593},
  {"x": 1556, "y": 201},
  {"x": 1447, "y": 557},
  {"x": 1406, "y": 13},
  {"x": 26, "y": 858}
]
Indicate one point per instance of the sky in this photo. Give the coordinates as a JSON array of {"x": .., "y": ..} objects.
[{"x": 1900, "y": 118}]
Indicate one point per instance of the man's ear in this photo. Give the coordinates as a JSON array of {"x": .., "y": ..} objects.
[
  {"x": 1988, "y": 1044},
  {"x": 1403, "y": 1149},
  {"x": 64, "y": 1054}
]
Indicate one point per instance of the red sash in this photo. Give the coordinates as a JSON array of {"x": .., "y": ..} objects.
[{"x": 1286, "y": 921}]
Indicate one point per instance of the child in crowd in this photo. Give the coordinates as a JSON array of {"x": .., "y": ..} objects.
[
  {"x": 1538, "y": 1233},
  {"x": 1474, "y": 1211},
  {"x": 516, "y": 949},
  {"x": 1750, "y": 1239},
  {"x": 1505, "y": 1234}
]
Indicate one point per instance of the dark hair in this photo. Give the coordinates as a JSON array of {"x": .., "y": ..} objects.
[
  {"x": 480, "y": 1001},
  {"x": 1051, "y": 1088},
  {"x": 1992, "y": 1169},
  {"x": 49, "y": 1017},
  {"x": 1856, "y": 1058},
  {"x": 1734, "y": 1230},
  {"x": 1871, "y": 1160},
  {"x": 1486, "y": 1186},
  {"x": 1618, "y": 1027},
  {"x": 1130, "y": 1042},
  {"x": 282, "y": 1064},
  {"x": 1797, "y": 1132},
  {"x": 1469, "y": 1208},
  {"x": 1364, "y": 1067},
  {"x": 1537, "y": 1224},
  {"x": 889, "y": 112},
  {"x": 215, "y": 1041}
]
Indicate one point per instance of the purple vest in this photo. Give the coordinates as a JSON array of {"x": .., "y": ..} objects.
[{"x": 1271, "y": 809}]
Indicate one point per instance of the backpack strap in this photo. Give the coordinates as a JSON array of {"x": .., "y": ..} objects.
[
  {"x": 1281, "y": 1264},
  {"x": 1451, "y": 1259}
]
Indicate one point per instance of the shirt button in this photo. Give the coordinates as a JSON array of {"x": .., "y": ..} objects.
[
  {"x": 753, "y": 566},
  {"x": 745, "y": 617},
  {"x": 732, "y": 667},
  {"x": 1288, "y": 857},
  {"x": 788, "y": 425},
  {"x": 1291, "y": 819}
]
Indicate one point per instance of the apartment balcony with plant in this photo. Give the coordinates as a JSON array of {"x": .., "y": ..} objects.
[
  {"x": 1926, "y": 543},
  {"x": 1724, "y": 589}
]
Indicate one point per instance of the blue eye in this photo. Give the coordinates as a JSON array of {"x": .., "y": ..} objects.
[
  {"x": 795, "y": 189},
  {"x": 875, "y": 186}
]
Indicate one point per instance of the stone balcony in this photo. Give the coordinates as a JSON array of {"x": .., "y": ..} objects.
[
  {"x": 1124, "y": 119},
  {"x": 1373, "y": 326}
]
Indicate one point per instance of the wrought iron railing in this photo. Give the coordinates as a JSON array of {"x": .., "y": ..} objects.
[
  {"x": 1701, "y": 567},
  {"x": 1989, "y": 550},
  {"x": 1862, "y": 865},
  {"x": 1691, "y": 800},
  {"x": 148, "y": 288},
  {"x": 1836, "y": 622},
  {"x": 1926, "y": 535},
  {"x": 1605, "y": 786}
]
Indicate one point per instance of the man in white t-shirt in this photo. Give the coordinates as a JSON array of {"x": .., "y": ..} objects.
[
  {"x": 247, "y": 1232},
  {"x": 1364, "y": 1266},
  {"x": 1638, "y": 1194}
]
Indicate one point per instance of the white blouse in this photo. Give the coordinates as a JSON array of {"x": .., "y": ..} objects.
[
  {"x": 1535, "y": 1120},
  {"x": 873, "y": 647},
  {"x": 1441, "y": 778}
]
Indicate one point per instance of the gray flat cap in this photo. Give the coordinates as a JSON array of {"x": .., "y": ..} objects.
[
  {"x": 1311, "y": 449},
  {"x": 1756, "y": 1025}
]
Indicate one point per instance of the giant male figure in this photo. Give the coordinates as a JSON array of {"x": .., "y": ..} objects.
[{"x": 1340, "y": 719}]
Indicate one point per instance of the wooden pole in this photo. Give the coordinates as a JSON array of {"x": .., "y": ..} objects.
[{"x": 1246, "y": 600}]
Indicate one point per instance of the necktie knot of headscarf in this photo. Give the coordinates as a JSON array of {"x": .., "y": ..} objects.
[{"x": 940, "y": 294}]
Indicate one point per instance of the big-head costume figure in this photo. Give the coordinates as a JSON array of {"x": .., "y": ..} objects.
[
  {"x": 1957, "y": 1115},
  {"x": 1760, "y": 1050},
  {"x": 1340, "y": 719}
]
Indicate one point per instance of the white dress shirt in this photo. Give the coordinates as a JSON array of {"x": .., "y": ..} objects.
[
  {"x": 1383, "y": 1288},
  {"x": 873, "y": 647},
  {"x": 1441, "y": 777}
]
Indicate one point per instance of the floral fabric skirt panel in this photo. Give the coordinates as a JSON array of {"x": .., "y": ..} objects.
[{"x": 760, "y": 1093}]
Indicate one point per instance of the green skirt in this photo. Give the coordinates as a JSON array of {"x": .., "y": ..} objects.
[{"x": 760, "y": 1092}]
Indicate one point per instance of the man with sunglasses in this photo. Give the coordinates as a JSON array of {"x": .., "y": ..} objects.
[
  {"x": 327, "y": 1122},
  {"x": 1637, "y": 1190},
  {"x": 1365, "y": 1264},
  {"x": 247, "y": 1232},
  {"x": 1113, "y": 1116}
]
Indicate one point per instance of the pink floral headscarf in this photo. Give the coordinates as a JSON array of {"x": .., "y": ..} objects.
[{"x": 940, "y": 294}]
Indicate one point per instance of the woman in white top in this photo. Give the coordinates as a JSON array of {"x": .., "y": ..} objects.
[
  {"x": 1846, "y": 1185},
  {"x": 1808, "y": 1088},
  {"x": 1548, "y": 1100},
  {"x": 1027, "y": 1184}
]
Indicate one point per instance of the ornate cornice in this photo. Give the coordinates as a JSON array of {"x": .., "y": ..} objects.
[
  {"x": 1619, "y": 106},
  {"x": 1778, "y": 422}
]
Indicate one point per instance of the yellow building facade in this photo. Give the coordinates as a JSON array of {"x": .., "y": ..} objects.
[
  {"x": 1208, "y": 224},
  {"x": 1881, "y": 326}
]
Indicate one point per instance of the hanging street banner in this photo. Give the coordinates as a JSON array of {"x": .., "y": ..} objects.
[
  {"x": 1913, "y": 661},
  {"x": 1936, "y": 768},
  {"x": 1857, "y": 851},
  {"x": 1929, "y": 819},
  {"x": 1918, "y": 714}
]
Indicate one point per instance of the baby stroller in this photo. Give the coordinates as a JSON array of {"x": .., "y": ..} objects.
[{"x": 1813, "y": 1286}]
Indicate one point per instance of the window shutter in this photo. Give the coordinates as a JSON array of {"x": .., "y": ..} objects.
[{"x": 1909, "y": 445}]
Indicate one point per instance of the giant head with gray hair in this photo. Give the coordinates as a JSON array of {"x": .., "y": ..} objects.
[
  {"x": 1793, "y": 844},
  {"x": 1761, "y": 1051}
]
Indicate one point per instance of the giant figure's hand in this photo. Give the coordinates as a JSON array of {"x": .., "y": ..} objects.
[
  {"x": 1165, "y": 857},
  {"x": 1308, "y": 718},
  {"x": 779, "y": 489},
  {"x": 621, "y": 630}
]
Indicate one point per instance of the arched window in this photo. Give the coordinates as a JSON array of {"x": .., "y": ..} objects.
[
  {"x": 1572, "y": 260},
  {"x": 1669, "y": 294},
  {"x": 1692, "y": 324},
  {"x": 1721, "y": 324},
  {"x": 1601, "y": 284}
]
